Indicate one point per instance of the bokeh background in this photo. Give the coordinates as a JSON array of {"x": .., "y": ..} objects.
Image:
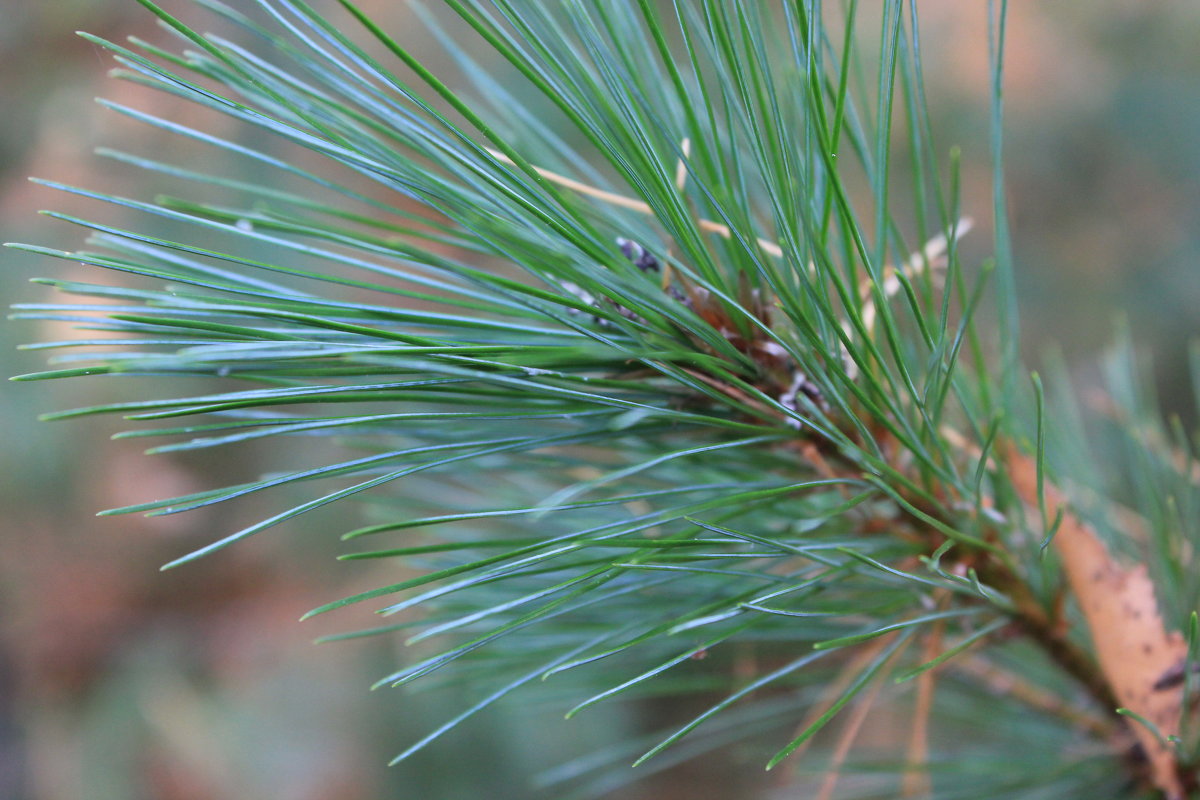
[{"x": 120, "y": 682}]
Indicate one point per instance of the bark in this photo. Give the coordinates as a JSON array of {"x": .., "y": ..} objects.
[{"x": 1132, "y": 644}]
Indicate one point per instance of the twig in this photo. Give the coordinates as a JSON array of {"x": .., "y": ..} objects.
[
  {"x": 846, "y": 740},
  {"x": 633, "y": 204},
  {"x": 916, "y": 779},
  {"x": 1132, "y": 643},
  {"x": 931, "y": 257},
  {"x": 845, "y": 677},
  {"x": 932, "y": 250},
  {"x": 733, "y": 393}
]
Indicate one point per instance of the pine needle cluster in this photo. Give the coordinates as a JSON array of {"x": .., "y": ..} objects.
[{"x": 652, "y": 319}]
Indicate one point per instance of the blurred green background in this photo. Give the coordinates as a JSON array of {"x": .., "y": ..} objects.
[{"x": 120, "y": 682}]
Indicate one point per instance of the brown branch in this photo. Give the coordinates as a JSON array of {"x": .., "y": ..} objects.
[
  {"x": 1134, "y": 649},
  {"x": 1132, "y": 643},
  {"x": 1051, "y": 634},
  {"x": 846, "y": 740}
]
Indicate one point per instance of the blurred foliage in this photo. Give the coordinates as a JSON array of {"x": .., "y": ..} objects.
[{"x": 118, "y": 683}]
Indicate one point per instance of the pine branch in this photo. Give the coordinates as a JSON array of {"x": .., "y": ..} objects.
[
  {"x": 688, "y": 395},
  {"x": 1132, "y": 644}
]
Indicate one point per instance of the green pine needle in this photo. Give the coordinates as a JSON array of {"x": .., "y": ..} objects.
[{"x": 652, "y": 322}]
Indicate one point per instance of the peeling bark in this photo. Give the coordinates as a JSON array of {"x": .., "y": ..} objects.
[{"x": 1132, "y": 644}]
